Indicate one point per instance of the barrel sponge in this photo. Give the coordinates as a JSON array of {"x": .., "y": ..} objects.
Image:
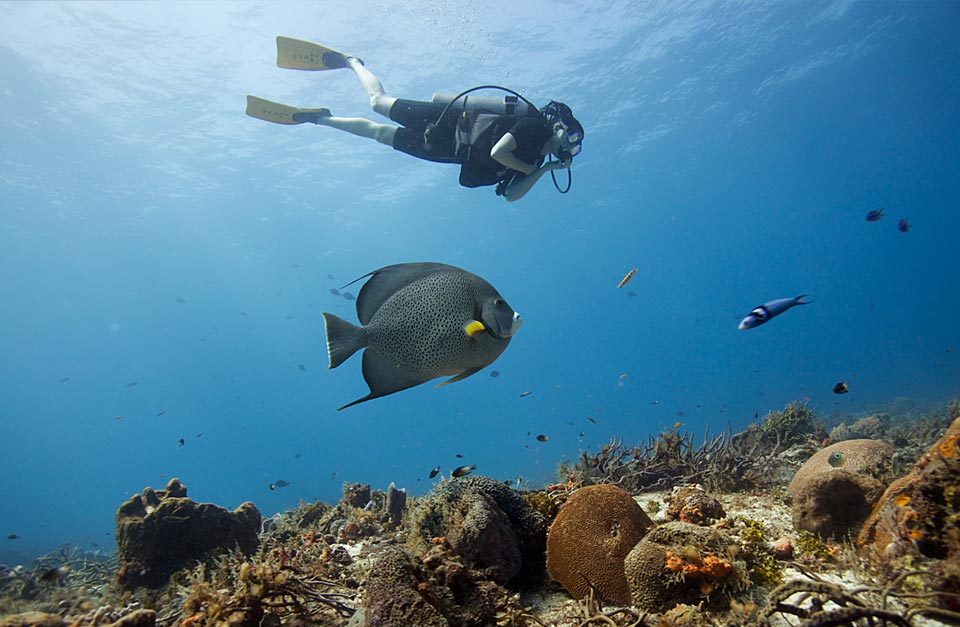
[{"x": 592, "y": 533}]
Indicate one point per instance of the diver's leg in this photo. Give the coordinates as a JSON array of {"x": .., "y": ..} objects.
[
  {"x": 379, "y": 101},
  {"x": 383, "y": 133}
]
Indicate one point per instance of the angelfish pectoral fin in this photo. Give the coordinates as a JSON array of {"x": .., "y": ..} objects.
[
  {"x": 474, "y": 327},
  {"x": 460, "y": 377}
]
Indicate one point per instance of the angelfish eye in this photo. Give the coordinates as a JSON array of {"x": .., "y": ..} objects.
[{"x": 497, "y": 301}]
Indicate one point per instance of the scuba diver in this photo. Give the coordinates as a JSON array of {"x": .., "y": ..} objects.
[{"x": 496, "y": 141}]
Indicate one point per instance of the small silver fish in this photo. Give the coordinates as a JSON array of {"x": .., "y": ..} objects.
[{"x": 626, "y": 279}]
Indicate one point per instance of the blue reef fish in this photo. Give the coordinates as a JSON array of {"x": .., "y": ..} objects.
[
  {"x": 903, "y": 226},
  {"x": 281, "y": 483},
  {"x": 874, "y": 215},
  {"x": 766, "y": 311},
  {"x": 420, "y": 321}
]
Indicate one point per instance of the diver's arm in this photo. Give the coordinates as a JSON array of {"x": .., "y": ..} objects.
[
  {"x": 521, "y": 185},
  {"x": 502, "y": 153}
]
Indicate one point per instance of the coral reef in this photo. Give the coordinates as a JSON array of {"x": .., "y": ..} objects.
[
  {"x": 692, "y": 504},
  {"x": 833, "y": 491},
  {"x": 488, "y": 524},
  {"x": 138, "y": 618},
  {"x": 680, "y": 562},
  {"x": 746, "y": 460},
  {"x": 397, "y": 592},
  {"x": 160, "y": 532},
  {"x": 587, "y": 542},
  {"x": 919, "y": 515},
  {"x": 872, "y": 427}
]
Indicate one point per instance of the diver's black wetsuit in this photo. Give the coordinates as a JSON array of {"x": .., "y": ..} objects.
[{"x": 442, "y": 144}]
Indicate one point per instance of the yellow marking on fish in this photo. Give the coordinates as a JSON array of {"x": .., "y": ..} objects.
[
  {"x": 902, "y": 500},
  {"x": 627, "y": 278},
  {"x": 473, "y": 328}
]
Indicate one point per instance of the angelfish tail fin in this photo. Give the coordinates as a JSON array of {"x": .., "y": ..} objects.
[
  {"x": 799, "y": 300},
  {"x": 343, "y": 339}
]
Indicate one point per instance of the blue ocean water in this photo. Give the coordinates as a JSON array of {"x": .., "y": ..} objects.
[{"x": 152, "y": 234}]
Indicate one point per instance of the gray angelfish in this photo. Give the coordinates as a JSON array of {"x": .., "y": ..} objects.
[
  {"x": 421, "y": 321},
  {"x": 764, "y": 312}
]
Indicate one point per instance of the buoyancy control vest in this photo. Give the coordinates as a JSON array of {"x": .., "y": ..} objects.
[{"x": 476, "y": 134}]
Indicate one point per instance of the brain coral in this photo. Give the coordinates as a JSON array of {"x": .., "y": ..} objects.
[
  {"x": 592, "y": 533},
  {"x": 833, "y": 500},
  {"x": 865, "y": 457}
]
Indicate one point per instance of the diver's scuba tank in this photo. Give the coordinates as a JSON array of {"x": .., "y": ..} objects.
[{"x": 508, "y": 103}]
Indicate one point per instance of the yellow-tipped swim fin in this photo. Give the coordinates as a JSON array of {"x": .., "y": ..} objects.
[
  {"x": 297, "y": 54},
  {"x": 473, "y": 327},
  {"x": 281, "y": 113}
]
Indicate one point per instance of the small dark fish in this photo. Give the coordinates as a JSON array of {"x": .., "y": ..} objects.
[
  {"x": 180, "y": 300},
  {"x": 874, "y": 214},
  {"x": 522, "y": 394},
  {"x": 181, "y": 442},
  {"x": 55, "y": 574},
  {"x": 766, "y": 311},
  {"x": 302, "y": 368},
  {"x": 297, "y": 455},
  {"x": 281, "y": 483},
  {"x": 459, "y": 456},
  {"x": 581, "y": 434},
  {"x": 296, "y": 265},
  {"x": 837, "y": 459},
  {"x": 330, "y": 276},
  {"x": 626, "y": 278},
  {"x": 13, "y": 536},
  {"x": 592, "y": 420},
  {"x": 273, "y": 486},
  {"x": 434, "y": 472},
  {"x": 64, "y": 379},
  {"x": 333, "y": 475},
  {"x": 132, "y": 384},
  {"x": 903, "y": 226},
  {"x": 841, "y": 388},
  {"x": 334, "y": 291},
  {"x": 349, "y": 296},
  {"x": 542, "y": 438},
  {"x": 161, "y": 412},
  {"x": 118, "y": 417},
  {"x": 289, "y": 317},
  {"x": 631, "y": 294},
  {"x": 199, "y": 434},
  {"x": 681, "y": 413},
  {"x": 494, "y": 374},
  {"x": 462, "y": 471},
  {"x": 243, "y": 313}
]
